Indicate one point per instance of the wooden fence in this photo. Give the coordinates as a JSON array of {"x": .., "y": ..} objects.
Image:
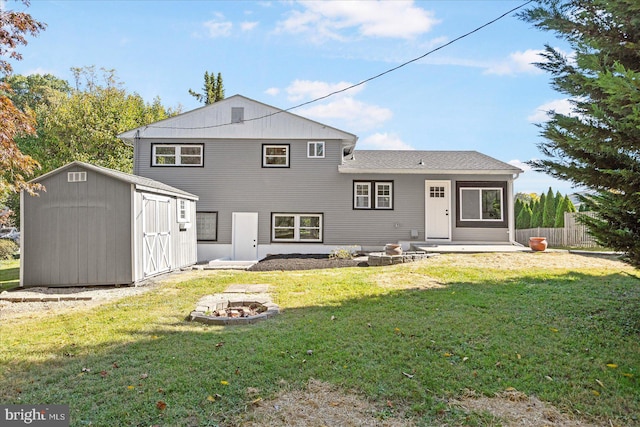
[{"x": 574, "y": 234}]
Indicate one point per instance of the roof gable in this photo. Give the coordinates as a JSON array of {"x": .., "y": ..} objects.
[
  {"x": 139, "y": 182},
  {"x": 261, "y": 121}
]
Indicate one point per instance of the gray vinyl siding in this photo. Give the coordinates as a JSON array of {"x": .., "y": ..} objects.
[
  {"x": 233, "y": 180},
  {"x": 77, "y": 233}
]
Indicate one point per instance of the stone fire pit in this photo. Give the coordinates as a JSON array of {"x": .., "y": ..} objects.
[{"x": 238, "y": 305}]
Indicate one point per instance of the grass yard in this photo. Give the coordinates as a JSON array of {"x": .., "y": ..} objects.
[
  {"x": 9, "y": 274},
  {"x": 408, "y": 338}
]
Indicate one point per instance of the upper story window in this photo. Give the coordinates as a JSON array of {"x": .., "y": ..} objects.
[
  {"x": 373, "y": 194},
  {"x": 275, "y": 156},
  {"x": 177, "y": 154},
  {"x": 315, "y": 149}
]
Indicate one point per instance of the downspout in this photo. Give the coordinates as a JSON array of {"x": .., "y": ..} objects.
[{"x": 511, "y": 208}]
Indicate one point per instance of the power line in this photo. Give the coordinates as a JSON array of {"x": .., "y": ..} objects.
[{"x": 377, "y": 76}]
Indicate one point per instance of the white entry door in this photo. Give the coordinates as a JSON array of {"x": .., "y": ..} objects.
[
  {"x": 244, "y": 246},
  {"x": 437, "y": 209},
  {"x": 156, "y": 229}
]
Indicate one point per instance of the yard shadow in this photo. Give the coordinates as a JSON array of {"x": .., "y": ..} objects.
[{"x": 405, "y": 348}]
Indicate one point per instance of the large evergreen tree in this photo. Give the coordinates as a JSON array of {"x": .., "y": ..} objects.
[
  {"x": 549, "y": 212},
  {"x": 213, "y": 89},
  {"x": 598, "y": 145}
]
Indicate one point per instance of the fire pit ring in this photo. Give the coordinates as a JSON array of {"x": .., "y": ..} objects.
[{"x": 232, "y": 308}]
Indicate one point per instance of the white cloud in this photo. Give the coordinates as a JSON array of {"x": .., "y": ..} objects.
[
  {"x": 519, "y": 164},
  {"x": 518, "y": 62},
  {"x": 562, "y": 106},
  {"x": 357, "y": 115},
  {"x": 383, "y": 141},
  {"x": 273, "y": 91},
  {"x": 248, "y": 26},
  {"x": 218, "y": 29},
  {"x": 331, "y": 19},
  {"x": 308, "y": 89}
]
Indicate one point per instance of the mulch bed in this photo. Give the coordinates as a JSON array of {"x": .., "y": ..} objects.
[{"x": 288, "y": 262}]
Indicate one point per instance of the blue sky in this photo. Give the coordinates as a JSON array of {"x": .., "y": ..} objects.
[{"x": 480, "y": 93}]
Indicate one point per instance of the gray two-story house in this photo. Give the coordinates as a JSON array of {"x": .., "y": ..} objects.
[{"x": 270, "y": 181}]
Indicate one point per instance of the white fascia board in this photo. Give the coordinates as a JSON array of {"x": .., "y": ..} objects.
[
  {"x": 165, "y": 193},
  {"x": 426, "y": 171}
]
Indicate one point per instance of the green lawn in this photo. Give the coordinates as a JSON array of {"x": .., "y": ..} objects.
[
  {"x": 9, "y": 274},
  {"x": 570, "y": 336}
]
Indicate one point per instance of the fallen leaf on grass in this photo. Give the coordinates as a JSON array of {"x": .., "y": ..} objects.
[
  {"x": 612, "y": 365},
  {"x": 595, "y": 392},
  {"x": 223, "y": 382},
  {"x": 161, "y": 405},
  {"x": 447, "y": 355},
  {"x": 214, "y": 397},
  {"x": 600, "y": 383},
  {"x": 628, "y": 375},
  {"x": 407, "y": 375},
  {"x": 104, "y": 374},
  {"x": 144, "y": 376},
  {"x": 115, "y": 365},
  {"x": 554, "y": 329},
  {"x": 86, "y": 370},
  {"x": 131, "y": 387}
]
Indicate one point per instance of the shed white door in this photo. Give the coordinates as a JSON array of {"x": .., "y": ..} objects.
[
  {"x": 245, "y": 236},
  {"x": 437, "y": 207},
  {"x": 156, "y": 228}
]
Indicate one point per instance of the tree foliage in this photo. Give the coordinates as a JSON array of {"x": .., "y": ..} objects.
[
  {"x": 597, "y": 146},
  {"x": 14, "y": 165},
  {"x": 213, "y": 89}
]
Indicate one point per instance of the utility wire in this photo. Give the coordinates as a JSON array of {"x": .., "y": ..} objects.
[{"x": 377, "y": 76}]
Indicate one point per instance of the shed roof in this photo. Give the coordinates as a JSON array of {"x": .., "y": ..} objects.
[
  {"x": 141, "y": 183},
  {"x": 214, "y": 121},
  {"x": 409, "y": 161}
]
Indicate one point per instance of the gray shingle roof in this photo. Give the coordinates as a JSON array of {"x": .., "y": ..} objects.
[
  {"x": 138, "y": 181},
  {"x": 409, "y": 161}
]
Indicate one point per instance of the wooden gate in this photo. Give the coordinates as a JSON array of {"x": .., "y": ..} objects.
[{"x": 156, "y": 226}]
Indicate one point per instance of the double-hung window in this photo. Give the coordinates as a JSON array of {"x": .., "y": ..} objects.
[
  {"x": 373, "y": 194},
  {"x": 315, "y": 149},
  {"x": 296, "y": 227},
  {"x": 177, "y": 154},
  {"x": 481, "y": 204},
  {"x": 275, "y": 156},
  {"x": 182, "y": 206}
]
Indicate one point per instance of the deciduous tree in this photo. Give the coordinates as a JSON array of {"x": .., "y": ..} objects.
[{"x": 14, "y": 165}]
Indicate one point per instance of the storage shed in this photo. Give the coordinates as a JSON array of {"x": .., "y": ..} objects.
[{"x": 98, "y": 226}]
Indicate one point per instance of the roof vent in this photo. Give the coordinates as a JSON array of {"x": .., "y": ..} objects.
[
  {"x": 76, "y": 176},
  {"x": 237, "y": 114},
  {"x": 421, "y": 162}
]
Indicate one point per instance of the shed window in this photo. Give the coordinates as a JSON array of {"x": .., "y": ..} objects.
[
  {"x": 315, "y": 149},
  {"x": 76, "y": 176},
  {"x": 177, "y": 154},
  {"x": 296, "y": 228},
  {"x": 275, "y": 156},
  {"x": 207, "y": 226},
  {"x": 182, "y": 210}
]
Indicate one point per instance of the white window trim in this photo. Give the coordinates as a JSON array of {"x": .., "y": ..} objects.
[
  {"x": 264, "y": 155},
  {"x": 480, "y": 189},
  {"x": 356, "y": 184},
  {"x": 296, "y": 228},
  {"x": 182, "y": 209},
  {"x": 315, "y": 145},
  {"x": 381, "y": 183},
  {"x": 177, "y": 154}
]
